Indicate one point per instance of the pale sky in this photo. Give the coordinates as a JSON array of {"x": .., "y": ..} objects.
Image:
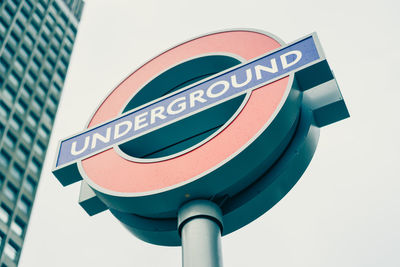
[{"x": 344, "y": 211}]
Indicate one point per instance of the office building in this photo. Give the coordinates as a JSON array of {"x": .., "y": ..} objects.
[{"x": 36, "y": 41}]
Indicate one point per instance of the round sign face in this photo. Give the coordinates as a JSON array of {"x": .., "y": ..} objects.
[{"x": 212, "y": 154}]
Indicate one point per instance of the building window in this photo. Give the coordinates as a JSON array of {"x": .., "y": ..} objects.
[
  {"x": 29, "y": 40},
  {"x": 2, "y": 178},
  {"x": 28, "y": 5},
  {"x": 73, "y": 29},
  {"x": 51, "y": 19},
  {"x": 43, "y": 40},
  {"x": 67, "y": 49},
  {"x": 42, "y": 90},
  {"x": 36, "y": 18},
  {"x": 34, "y": 165},
  {"x": 16, "y": 123},
  {"x": 29, "y": 185},
  {"x": 24, "y": 52},
  {"x": 19, "y": 65},
  {"x": 53, "y": 52},
  {"x": 46, "y": 76},
  {"x": 39, "y": 148},
  {"x": 31, "y": 78},
  {"x": 41, "y": 8},
  {"x": 68, "y": 42},
  {"x": 41, "y": 50},
  {"x": 4, "y": 159},
  {"x": 4, "y": 110},
  {"x": 32, "y": 119},
  {"x": 13, "y": 39},
  {"x": 3, "y": 26},
  {"x": 11, "y": 250},
  {"x": 64, "y": 54},
  {"x": 63, "y": 65},
  {"x": 64, "y": 19},
  {"x": 59, "y": 32},
  {"x": 35, "y": 64},
  {"x": 21, "y": 106},
  {"x": 57, "y": 87},
  {"x": 33, "y": 28},
  {"x": 13, "y": 6},
  {"x": 56, "y": 42},
  {"x": 10, "y": 192},
  {"x": 54, "y": 59},
  {"x": 8, "y": 52},
  {"x": 3, "y": 66},
  {"x": 10, "y": 8},
  {"x": 52, "y": 102},
  {"x": 10, "y": 140},
  {"x": 14, "y": 79},
  {"x": 22, "y": 153},
  {"x": 37, "y": 104},
  {"x": 44, "y": 132},
  {"x": 55, "y": 7},
  {"x": 24, "y": 15},
  {"x": 48, "y": 117},
  {"x": 9, "y": 93},
  {"x": 46, "y": 29},
  {"x": 5, "y": 214},
  {"x": 50, "y": 63},
  {"x": 18, "y": 227},
  {"x": 17, "y": 172},
  {"x": 61, "y": 74},
  {"x": 7, "y": 14},
  {"x": 27, "y": 135},
  {"x": 26, "y": 91},
  {"x": 19, "y": 27},
  {"x": 24, "y": 205}
]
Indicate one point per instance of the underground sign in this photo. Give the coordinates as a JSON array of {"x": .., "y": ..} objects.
[{"x": 232, "y": 117}]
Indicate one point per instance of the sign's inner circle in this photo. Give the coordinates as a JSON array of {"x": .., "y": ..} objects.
[{"x": 186, "y": 133}]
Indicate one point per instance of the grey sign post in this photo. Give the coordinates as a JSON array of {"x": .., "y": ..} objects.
[{"x": 200, "y": 227}]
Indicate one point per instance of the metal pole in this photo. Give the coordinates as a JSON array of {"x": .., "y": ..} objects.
[{"x": 200, "y": 226}]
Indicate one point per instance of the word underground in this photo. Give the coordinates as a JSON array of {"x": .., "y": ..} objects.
[{"x": 190, "y": 100}]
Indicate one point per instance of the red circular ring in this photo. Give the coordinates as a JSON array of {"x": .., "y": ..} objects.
[{"x": 109, "y": 172}]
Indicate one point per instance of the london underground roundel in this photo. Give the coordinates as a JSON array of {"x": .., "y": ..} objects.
[{"x": 230, "y": 117}]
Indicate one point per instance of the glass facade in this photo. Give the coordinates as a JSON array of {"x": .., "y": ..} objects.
[{"x": 36, "y": 42}]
